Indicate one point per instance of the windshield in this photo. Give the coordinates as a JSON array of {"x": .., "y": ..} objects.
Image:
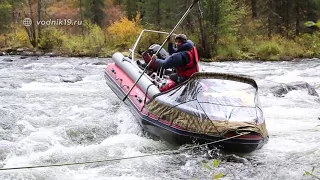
[{"x": 215, "y": 99}]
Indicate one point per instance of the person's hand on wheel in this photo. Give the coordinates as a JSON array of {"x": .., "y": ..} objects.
[{"x": 154, "y": 57}]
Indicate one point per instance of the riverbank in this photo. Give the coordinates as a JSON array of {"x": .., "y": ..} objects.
[
  {"x": 26, "y": 52},
  {"x": 121, "y": 35}
]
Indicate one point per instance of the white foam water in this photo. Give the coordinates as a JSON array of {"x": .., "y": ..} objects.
[{"x": 45, "y": 120}]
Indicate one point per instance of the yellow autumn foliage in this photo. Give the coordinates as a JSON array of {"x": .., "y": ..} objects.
[
  {"x": 17, "y": 38},
  {"x": 124, "y": 32}
]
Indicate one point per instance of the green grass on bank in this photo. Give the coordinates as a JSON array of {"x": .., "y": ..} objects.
[{"x": 276, "y": 48}]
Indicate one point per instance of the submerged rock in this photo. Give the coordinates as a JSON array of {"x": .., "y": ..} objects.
[
  {"x": 99, "y": 63},
  {"x": 283, "y": 89},
  {"x": 34, "y": 58},
  {"x": 71, "y": 79},
  {"x": 7, "y": 60}
]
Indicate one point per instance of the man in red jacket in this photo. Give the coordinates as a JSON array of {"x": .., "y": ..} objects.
[{"x": 184, "y": 58}]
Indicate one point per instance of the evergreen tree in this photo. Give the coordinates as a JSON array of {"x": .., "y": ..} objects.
[
  {"x": 219, "y": 20},
  {"x": 6, "y": 18},
  {"x": 132, "y": 7},
  {"x": 93, "y": 10}
]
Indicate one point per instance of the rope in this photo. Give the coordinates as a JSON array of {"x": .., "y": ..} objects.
[{"x": 123, "y": 158}]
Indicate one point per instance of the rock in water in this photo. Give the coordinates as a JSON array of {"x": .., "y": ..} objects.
[
  {"x": 99, "y": 63},
  {"x": 283, "y": 89},
  {"x": 34, "y": 58},
  {"x": 7, "y": 60},
  {"x": 71, "y": 79}
]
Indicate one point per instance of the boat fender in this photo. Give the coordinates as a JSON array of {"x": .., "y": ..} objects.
[{"x": 169, "y": 85}]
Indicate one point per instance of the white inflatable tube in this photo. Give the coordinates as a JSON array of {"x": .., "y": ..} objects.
[{"x": 134, "y": 73}]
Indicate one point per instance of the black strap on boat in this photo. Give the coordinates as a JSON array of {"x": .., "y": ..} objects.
[
  {"x": 145, "y": 97},
  {"x": 165, "y": 41}
]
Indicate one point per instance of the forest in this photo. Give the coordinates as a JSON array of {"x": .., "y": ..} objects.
[{"x": 221, "y": 29}]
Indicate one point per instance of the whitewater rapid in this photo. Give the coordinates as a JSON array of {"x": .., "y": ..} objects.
[{"x": 60, "y": 110}]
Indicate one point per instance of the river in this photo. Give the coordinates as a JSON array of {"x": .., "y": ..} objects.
[{"x": 60, "y": 110}]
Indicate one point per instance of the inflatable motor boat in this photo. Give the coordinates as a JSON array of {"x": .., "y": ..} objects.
[{"x": 208, "y": 107}]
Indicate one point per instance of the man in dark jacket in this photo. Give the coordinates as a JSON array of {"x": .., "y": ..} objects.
[{"x": 184, "y": 58}]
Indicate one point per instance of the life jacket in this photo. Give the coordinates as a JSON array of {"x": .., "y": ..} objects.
[
  {"x": 192, "y": 67},
  {"x": 170, "y": 84}
]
